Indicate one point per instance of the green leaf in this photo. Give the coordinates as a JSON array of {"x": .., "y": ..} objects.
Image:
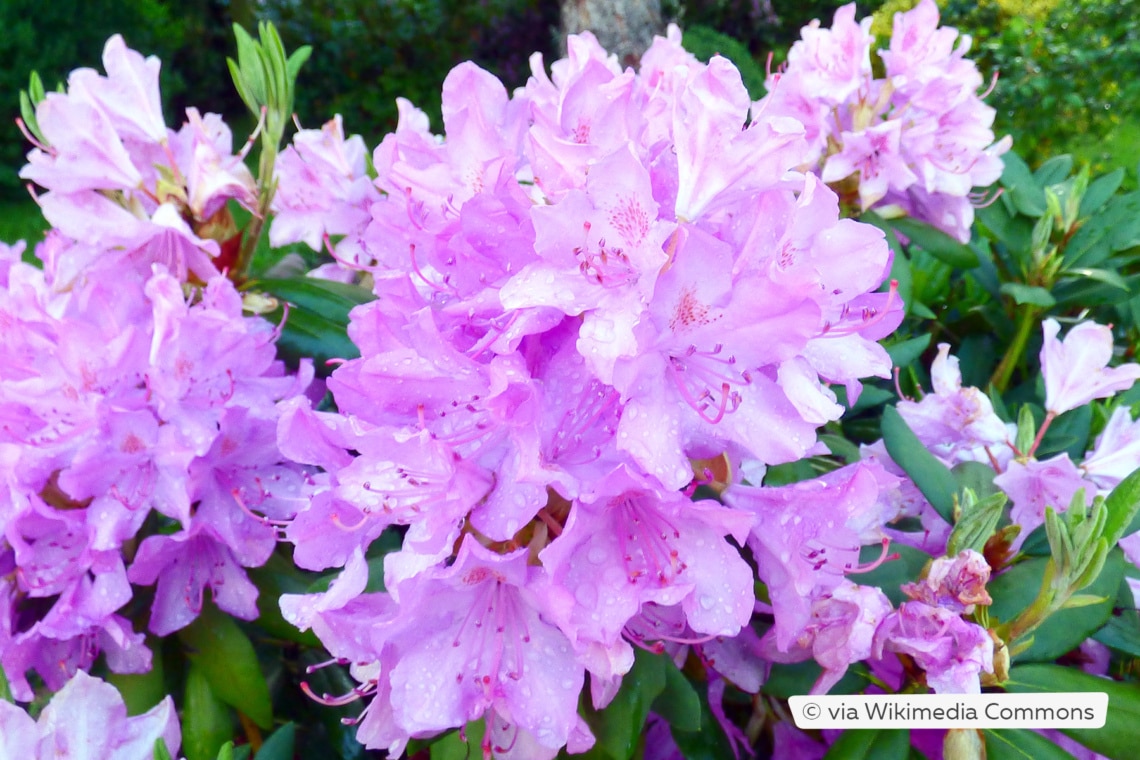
[
  {"x": 1122, "y": 633},
  {"x": 325, "y": 298},
  {"x": 5, "y": 688},
  {"x": 618, "y": 727},
  {"x": 1020, "y": 744},
  {"x": 905, "y": 353},
  {"x": 1027, "y": 195},
  {"x": 1013, "y": 232},
  {"x": 207, "y": 723},
  {"x": 1068, "y": 433},
  {"x": 160, "y": 750},
  {"x": 279, "y": 745},
  {"x": 1028, "y": 294},
  {"x": 1054, "y": 170},
  {"x": 1015, "y": 589},
  {"x": 1123, "y": 506},
  {"x": 937, "y": 243},
  {"x": 871, "y": 744},
  {"x": 932, "y": 477},
  {"x": 679, "y": 704},
  {"x": 709, "y": 741},
  {"x": 1121, "y": 733},
  {"x": 1107, "y": 276},
  {"x": 309, "y": 335},
  {"x": 976, "y": 524},
  {"x": 786, "y": 680},
  {"x": 224, "y": 655},
  {"x": 1099, "y": 191}
]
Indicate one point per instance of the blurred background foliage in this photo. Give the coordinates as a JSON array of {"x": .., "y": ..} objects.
[{"x": 1067, "y": 84}]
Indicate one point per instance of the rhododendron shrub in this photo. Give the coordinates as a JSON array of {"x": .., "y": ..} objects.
[{"x": 569, "y": 436}]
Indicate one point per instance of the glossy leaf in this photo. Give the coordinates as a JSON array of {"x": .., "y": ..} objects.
[
  {"x": 207, "y": 722},
  {"x": 1123, "y": 506},
  {"x": 905, "y": 353},
  {"x": 618, "y": 727},
  {"x": 933, "y": 478},
  {"x": 937, "y": 243},
  {"x": 709, "y": 741},
  {"x": 679, "y": 703},
  {"x": 1021, "y": 744},
  {"x": 871, "y": 744},
  {"x": 1121, "y": 733},
  {"x": 331, "y": 300},
  {"x": 224, "y": 655},
  {"x": 279, "y": 745},
  {"x": 1027, "y": 195},
  {"x": 1028, "y": 294},
  {"x": 1015, "y": 589},
  {"x": 1122, "y": 633}
]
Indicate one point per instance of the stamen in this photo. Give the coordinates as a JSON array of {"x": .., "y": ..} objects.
[{"x": 883, "y": 557}]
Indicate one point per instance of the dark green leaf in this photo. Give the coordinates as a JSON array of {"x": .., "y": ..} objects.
[
  {"x": 790, "y": 680},
  {"x": 1028, "y": 294},
  {"x": 1122, "y": 633},
  {"x": 1027, "y": 195},
  {"x": 1121, "y": 733},
  {"x": 1015, "y": 589},
  {"x": 1054, "y": 170},
  {"x": 976, "y": 476},
  {"x": 871, "y": 744},
  {"x": 309, "y": 335},
  {"x": 937, "y": 243},
  {"x": 1068, "y": 433},
  {"x": 279, "y": 745},
  {"x": 1099, "y": 191},
  {"x": 325, "y": 298},
  {"x": 709, "y": 741},
  {"x": 207, "y": 722},
  {"x": 906, "y": 352},
  {"x": 679, "y": 704},
  {"x": 1107, "y": 276},
  {"x": 223, "y": 654},
  {"x": 1123, "y": 506},
  {"x": 1013, "y": 232},
  {"x": 933, "y": 478},
  {"x": 1021, "y": 744},
  {"x": 618, "y": 727}
]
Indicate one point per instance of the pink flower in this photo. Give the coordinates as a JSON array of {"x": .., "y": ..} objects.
[
  {"x": 87, "y": 720},
  {"x": 952, "y": 651},
  {"x": 1076, "y": 369}
]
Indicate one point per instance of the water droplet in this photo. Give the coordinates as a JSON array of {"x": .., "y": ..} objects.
[{"x": 706, "y": 601}]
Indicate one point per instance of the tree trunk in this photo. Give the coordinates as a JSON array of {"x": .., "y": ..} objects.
[{"x": 623, "y": 27}]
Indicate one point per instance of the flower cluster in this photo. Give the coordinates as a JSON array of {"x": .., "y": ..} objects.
[
  {"x": 123, "y": 190},
  {"x": 587, "y": 293},
  {"x": 137, "y": 413},
  {"x": 917, "y": 140}
]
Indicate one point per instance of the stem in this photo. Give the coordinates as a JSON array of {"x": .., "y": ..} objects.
[
  {"x": 1025, "y": 323},
  {"x": 1049, "y": 417}
]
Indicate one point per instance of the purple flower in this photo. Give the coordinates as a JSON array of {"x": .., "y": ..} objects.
[
  {"x": 807, "y": 537},
  {"x": 953, "y": 652},
  {"x": 87, "y": 720},
  {"x": 956, "y": 583},
  {"x": 1032, "y": 486},
  {"x": 1076, "y": 369},
  {"x": 957, "y": 424}
]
